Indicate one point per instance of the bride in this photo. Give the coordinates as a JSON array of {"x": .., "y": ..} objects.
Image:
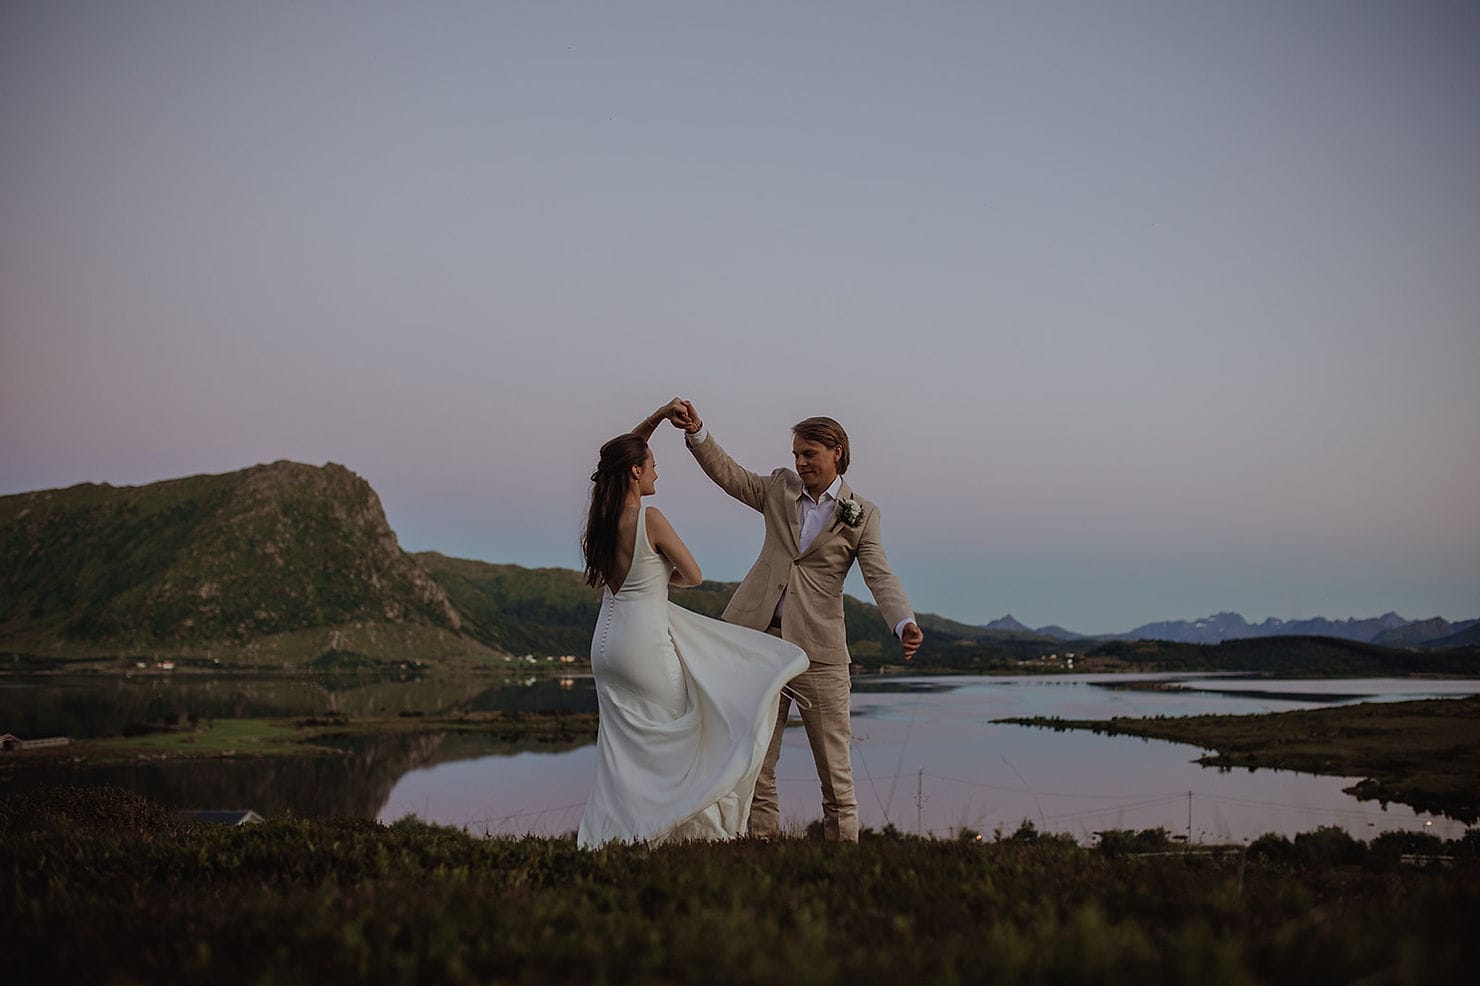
[{"x": 687, "y": 703}]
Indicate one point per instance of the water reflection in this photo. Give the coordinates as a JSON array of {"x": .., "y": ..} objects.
[
  {"x": 85, "y": 706},
  {"x": 356, "y": 779},
  {"x": 928, "y": 754}
]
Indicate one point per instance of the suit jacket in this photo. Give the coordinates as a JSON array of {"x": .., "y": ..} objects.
[{"x": 812, "y": 579}]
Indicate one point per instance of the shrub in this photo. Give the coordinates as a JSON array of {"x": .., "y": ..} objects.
[
  {"x": 1026, "y": 832},
  {"x": 1329, "y": 846},
  {"x": 82, "y": 809},
  {"x": 1273, "y": 848},
  {"x": 1124, "y": 842},
  {"x": 1395, "y": 844}
]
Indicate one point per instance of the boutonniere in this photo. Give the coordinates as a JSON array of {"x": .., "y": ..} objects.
[{"x": 850, "y": 512}]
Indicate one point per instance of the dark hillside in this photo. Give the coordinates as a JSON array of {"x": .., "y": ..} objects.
[
  {"x": 1289, "y": 655},
  {"x": 234, "y": 557}
]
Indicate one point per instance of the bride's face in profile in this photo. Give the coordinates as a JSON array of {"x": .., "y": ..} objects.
[{"x": 647, "y": 478}]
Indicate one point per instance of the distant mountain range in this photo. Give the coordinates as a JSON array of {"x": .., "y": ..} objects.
[
  {"x": 291, "y": 565},
  {"x": 1388, "y": 630}
]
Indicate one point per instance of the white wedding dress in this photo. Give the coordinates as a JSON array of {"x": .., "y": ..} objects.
[{"x": 687, "y": 706}]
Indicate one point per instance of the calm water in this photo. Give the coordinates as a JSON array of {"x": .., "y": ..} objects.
[{"x": 927, "y": 754}]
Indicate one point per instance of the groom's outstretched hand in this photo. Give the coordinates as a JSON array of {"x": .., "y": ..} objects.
[
  {"x": 674, "y": 411},
  {"x": 911, "y": 637},
  {"x": 688, "y": 418}
]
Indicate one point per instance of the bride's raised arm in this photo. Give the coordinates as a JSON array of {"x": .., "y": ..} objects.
[
  {"x": 671, "y": 411},
  {"x": 665, "y": 541}
]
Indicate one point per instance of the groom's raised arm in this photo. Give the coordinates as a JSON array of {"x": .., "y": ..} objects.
[{"x": 744, "y": 485}]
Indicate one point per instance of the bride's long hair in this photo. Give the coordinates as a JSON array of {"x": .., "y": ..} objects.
[{"x": 608, "y": 491}]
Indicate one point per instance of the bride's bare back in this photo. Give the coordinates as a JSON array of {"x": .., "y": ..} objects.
[{"x": 665, "y": 541}]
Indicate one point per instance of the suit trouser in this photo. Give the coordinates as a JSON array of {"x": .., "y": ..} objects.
[{"x": 827, "y": 687}]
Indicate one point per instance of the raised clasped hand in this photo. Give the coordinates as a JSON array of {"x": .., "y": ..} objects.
[
  {"x": 681, "y": 414},
  {"x": 674, "y": 412},
  {"x": 691, "y": 422}
]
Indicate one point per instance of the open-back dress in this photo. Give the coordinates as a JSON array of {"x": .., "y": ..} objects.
[{"x": 687, "y": 706}]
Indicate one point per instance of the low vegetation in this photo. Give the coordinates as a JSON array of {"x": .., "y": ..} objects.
[{"x": 100, "y": 886}]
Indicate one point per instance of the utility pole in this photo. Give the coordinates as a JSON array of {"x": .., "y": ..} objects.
[
  {"x": 920, "y": 803},
  {"x": 1189, "y": 818}
]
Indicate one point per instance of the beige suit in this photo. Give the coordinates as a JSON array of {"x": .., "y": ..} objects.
[{"x": 812, "y": 618}]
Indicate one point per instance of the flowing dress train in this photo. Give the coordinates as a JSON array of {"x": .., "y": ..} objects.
[{"x": 687, "y": 706}]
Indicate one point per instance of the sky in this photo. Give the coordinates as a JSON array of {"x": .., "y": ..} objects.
[{"x": 1133, "y": 311}]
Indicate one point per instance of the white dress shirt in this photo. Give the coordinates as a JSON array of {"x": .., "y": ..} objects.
[{"x": 813, "y": 515}]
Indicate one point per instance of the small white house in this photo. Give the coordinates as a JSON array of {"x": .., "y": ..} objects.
[{"x": 220, "y": 816}]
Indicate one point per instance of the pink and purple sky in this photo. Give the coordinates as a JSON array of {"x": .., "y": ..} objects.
[{"x": 1133, "y": 311}]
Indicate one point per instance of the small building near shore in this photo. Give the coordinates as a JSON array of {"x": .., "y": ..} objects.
[
  {"x": 10, "y": 741},
  {"x": 220, "y": 816}
]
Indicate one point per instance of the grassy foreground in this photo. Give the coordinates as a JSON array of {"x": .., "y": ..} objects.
[
  {"x": 1425, "y": 754},
  {"x": 99, "y": 886}
]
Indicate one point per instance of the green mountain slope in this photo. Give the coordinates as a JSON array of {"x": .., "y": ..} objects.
[
  {"x": 274, "y": 552},
  {"x": 539, "y": 611},
  {"x": 296, "y": 565},
  {"x": 545, "y": 611},
  {"x": 548, "y": 611}
]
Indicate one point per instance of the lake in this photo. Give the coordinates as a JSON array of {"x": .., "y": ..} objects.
[{"x": 927, "y": 755}]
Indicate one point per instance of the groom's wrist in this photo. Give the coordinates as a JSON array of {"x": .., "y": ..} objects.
[{"x": 697, "y": 436}]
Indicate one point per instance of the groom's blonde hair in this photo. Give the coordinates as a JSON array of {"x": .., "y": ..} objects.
[{"x": 824, "y": 431}]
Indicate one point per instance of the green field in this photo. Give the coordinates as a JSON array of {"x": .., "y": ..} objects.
[{"x": 101, "y": 887}]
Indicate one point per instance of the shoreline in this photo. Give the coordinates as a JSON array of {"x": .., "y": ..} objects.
[{"x": 1422, "y": 753}]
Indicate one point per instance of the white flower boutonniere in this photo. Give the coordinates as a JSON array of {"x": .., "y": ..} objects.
[{"x": 850, "y": 512}]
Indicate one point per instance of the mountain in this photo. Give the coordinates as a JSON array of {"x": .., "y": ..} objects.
[
  {"x": 293, "y": 565},
  {"x": 1288, "y": 655},
  {"x": 1421, "y": 633},
  {"x": 1010, "y": 625},
  {"x": 1364, "y": 630},
  {"x": 282, "y": 561},
  {"x": 1390, "y": 629},
  {"x": 1467, "y": 636},
  {"x": 290, "y": 564},
  {"x": 1007, "y": 624},
  {"x": 538, "y": 611},
  {"x": 1059, "y": 633},
  {"x": 1208, "y": 630},
  {"x": 549, "y": 611}
]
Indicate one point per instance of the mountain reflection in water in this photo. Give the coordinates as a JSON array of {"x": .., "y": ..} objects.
[
  {"x": 356, "y": 781},
  {"x": 928, "y": 753}
]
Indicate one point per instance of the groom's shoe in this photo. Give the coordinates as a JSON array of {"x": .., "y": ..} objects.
[
  {"x": 763, "y": 833},
  {"x": 840, "y": 827}
]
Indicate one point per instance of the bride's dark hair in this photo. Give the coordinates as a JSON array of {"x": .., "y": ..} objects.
[{"x": 609, "y": 489}]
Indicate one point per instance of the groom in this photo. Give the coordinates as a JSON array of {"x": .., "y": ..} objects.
[{"x": 815, "y": 529}]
